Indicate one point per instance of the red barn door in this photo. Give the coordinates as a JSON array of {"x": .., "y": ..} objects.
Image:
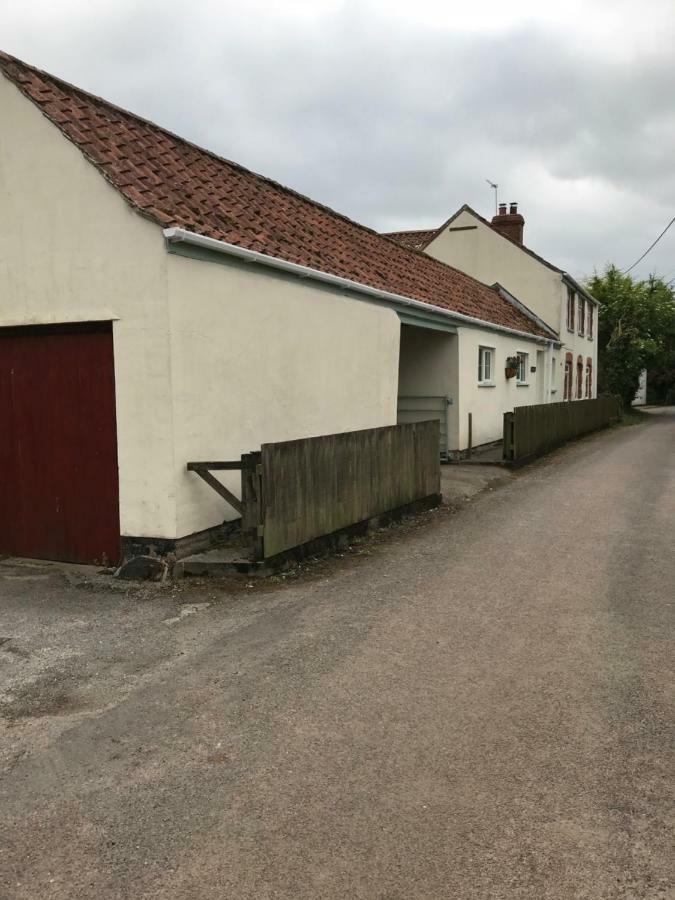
[{"x": 59, "y": 496}]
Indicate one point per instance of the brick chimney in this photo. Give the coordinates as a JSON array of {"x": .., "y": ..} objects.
[{"x": 511, "y": 223}]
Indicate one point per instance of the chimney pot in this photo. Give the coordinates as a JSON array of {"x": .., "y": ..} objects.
[{"x": 510, "y": 224}]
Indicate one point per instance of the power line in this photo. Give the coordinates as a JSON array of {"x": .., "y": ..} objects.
[{"x": 651, "y": 247}]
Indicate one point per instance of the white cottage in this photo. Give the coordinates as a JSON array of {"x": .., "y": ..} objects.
[
  {"x": 494, "y": 252},
  {"x": 159, "y": 304}
]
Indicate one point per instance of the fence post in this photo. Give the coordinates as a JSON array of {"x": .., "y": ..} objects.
[
  {"x": 508, "y": 438},
  {"x": 252, "y": 501}
]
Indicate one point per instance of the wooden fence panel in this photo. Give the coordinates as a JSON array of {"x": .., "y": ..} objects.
[
  {"x": 531, "y": 430},
  {"x": 316, "y": 486}
]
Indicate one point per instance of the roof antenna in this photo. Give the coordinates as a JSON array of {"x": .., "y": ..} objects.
[{"x": 495, "y": 188}]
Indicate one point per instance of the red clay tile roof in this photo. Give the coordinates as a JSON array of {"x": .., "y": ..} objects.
[
  {"x": 175, "y": 183},
  {"x": 415, "y": 240}
]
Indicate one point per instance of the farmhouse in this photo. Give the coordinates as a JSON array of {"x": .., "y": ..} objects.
[
  {"x": 159, "y": 304},
  {"x": 494, "y": 252}
]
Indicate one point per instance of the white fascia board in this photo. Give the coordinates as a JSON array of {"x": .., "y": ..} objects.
[{"x": 180, "y": 235}]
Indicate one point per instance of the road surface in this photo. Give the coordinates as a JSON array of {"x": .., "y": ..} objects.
[{"x": 478, "y": 707}]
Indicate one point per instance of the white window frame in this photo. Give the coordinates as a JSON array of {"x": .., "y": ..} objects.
[
  {"x": 554, "y": 372},
  {"x": 483, "y": 350},
  {"x": 524, "y": 364},
  {"x": 591, "y": 323},
  {"x": 581, "y": 316}
]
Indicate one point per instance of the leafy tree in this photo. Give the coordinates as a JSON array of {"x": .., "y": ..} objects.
[{"x": 636, "y": 329}]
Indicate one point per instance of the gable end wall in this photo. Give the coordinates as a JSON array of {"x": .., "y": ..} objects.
[
  {"x": 489, "y": 257},
  {"x": 72, "y": 250}
]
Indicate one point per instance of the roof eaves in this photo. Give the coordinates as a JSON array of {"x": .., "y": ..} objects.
[
  {"x": 466, "y": 208},
  {"x": 538, "y": 321},
  {"x": 469, "y": 293},
  {"x": 435, "y": 232},
  {"x": 8, "y": 58},
  {"x": 572, "y": 282},
  {"x": 180, "y": 235}
]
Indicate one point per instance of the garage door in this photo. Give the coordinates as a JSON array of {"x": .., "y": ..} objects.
[{"x": 58, "y": 444}]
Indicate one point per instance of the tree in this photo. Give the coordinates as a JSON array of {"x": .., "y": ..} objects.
[{"x": 636, "y": 329}]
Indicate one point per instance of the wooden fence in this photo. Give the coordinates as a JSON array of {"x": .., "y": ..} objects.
[
  {"x": 315, "y": 486},
  {"x": 531, "y": 430},
  {"x": 422, "y": 409},
  {"x": 293, "y": 492}
]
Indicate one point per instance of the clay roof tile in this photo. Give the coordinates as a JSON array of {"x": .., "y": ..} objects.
[{"x": 173, "y": 182}]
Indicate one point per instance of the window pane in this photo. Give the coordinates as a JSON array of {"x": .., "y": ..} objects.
[
  {"x": 522, "y": 366},
  {"x": 484, "y": 364}
]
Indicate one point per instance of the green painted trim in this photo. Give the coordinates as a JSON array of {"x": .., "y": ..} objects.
[
  {"x": 191, "y": 251},
  {"x": 421, "y": 320}
]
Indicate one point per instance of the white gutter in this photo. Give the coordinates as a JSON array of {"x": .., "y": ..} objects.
[{"x": 180, "y": 235}]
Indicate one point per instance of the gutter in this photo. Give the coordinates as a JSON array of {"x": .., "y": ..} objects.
[{"x": 181, "y": 236}]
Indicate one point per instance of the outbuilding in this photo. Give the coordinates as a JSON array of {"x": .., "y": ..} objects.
[{"x": 160, "y": 304}]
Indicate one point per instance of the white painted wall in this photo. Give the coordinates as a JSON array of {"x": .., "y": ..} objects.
[
  {"x": 488, "y": 404},
  {"x": 257, "y": 357},
  {"x": 210, "y": 360},
  {"x": 72, "y": 250},
  {"x": 578, "y": 344},
  {"x": 426, "y": 363},
  {"x": 489, "y": 257},
  {"x": 486, "y": 255}
]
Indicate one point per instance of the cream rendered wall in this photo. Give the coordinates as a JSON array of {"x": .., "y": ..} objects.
[
  {"x": 72, "y": 250},
  {"x": 488, "y": 404},
  {"x": 259, "y": 356},
  {"x": 489, "y": 257},
  {"x": 578, "y": 344}
]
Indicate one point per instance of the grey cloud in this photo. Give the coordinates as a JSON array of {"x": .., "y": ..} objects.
[{"x": 398, "y": 125}]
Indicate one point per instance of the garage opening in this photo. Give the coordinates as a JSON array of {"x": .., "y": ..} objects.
[
  {"x": 427, "y": 381},
  {"x": 59, "y": 495}
]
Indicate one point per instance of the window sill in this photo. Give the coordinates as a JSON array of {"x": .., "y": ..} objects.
[
  {"x": 487, "y": 384},
  {"x": 554, "y": 390},
  {"x": 570, "y": 330},
  {"x": 522, "y": 384},
  {"x": 581, "y": 333}
]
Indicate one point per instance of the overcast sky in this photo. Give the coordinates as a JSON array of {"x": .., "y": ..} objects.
[{"x": 395, "y": 113}]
